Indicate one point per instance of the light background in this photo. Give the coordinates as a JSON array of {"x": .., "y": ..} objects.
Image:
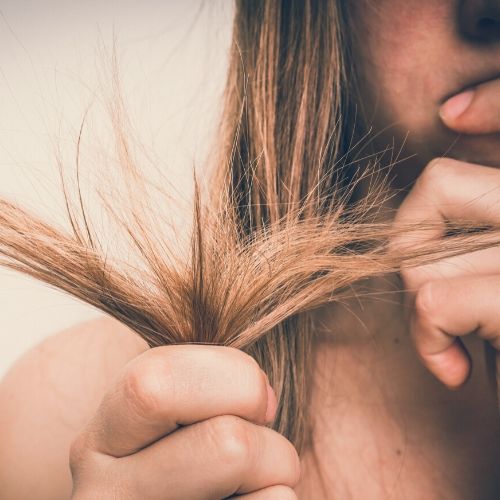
[{"x": 173, "y": 61}]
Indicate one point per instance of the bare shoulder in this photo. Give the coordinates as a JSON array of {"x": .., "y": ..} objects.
[{"x": 48, "y": 395}]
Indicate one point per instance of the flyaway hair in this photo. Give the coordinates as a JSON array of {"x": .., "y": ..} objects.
[{"x": 280, "y": 233}]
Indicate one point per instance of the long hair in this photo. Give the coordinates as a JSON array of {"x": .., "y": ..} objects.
[{"x": 281, "y": 231}]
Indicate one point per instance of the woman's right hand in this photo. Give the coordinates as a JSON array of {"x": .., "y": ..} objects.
[{"x": 185, "y": 422}]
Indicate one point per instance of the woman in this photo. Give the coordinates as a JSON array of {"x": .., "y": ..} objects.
[{"x": 316, "y": 89}]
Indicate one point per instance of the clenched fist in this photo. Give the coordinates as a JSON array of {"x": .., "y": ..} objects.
[{"x": 185, "y": 422}]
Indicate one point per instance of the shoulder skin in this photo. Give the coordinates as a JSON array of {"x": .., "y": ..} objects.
[{"x": 48, "y": 395}]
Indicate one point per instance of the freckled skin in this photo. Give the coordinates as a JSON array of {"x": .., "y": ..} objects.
[
  {"x": 378, "y": 414},
  {"x": 411, "y": 55}
]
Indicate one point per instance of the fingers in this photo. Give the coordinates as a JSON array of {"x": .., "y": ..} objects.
[
  {"x": 226, "y": 454},
  {"x": 167, "y": 387},
  {"x": 454, "y": 190},
  {"x": 448, "y": 189},
  {"x": 479, "y": 263},
  {"x": 451, "y": 190},
  {"x": 447, "y": 309},
  {"x": 185, "y": 422},
  {"x": 474, "y": 111}
]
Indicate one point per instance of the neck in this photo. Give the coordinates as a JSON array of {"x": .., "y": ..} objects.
[{"x": 382, "y": 424}]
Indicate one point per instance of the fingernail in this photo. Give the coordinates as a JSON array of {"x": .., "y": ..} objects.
[
  {"x": 272, "y": 404},
  {"x": 456, "y": 105}
]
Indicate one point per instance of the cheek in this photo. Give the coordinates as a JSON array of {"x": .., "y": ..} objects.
[
  {"x": 405, "y": 97},
  {"x": 402, "y": 61}
]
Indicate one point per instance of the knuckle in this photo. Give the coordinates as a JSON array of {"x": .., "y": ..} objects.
[
  {"x": 425, "y": 300},
  {"x": 86, "y": 465},
  {"x": 231, "y": 437},
  {"x": 436, "y": 175},
  {"x": 430, "y": 177},
  {"x": 434, "y": 171},
  {"x": 435, "y": 165},
  {"x": 414, "y": 277},
  {"x": 146, "y": 388},
  {"x": 77, "y": 453},
  {"x": 411, "y": 275}
]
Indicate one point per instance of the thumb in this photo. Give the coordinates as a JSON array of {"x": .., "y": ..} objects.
[{"x": 476, "y": 110}]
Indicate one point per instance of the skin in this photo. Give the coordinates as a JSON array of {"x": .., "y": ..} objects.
[
  {"x": 412, "y": 56},
  {"x": 406, "y": 434},
  {"x": 163, "y": 418},
  {"x": 387, "y": 424},
  {"x": 142, "y": 421},
  {"x": 452, "y": 110}
]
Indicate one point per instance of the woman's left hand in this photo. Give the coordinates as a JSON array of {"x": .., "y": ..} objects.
[{"x": 459, "y": 295}]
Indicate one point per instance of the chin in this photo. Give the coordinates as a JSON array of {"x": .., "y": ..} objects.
[{"x": 483, "y": 150}]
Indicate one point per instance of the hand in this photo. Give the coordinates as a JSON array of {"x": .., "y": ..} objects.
[
  {"x": 185, "y": 422},
  {"x": 458, "y": 295},
  {"x": 475, "y": 110}
]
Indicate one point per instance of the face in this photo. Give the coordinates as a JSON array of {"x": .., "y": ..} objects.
[{"x": 412, "y": 55}]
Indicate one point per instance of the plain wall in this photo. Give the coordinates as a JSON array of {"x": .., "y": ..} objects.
[{"x": 173, "y": 61}]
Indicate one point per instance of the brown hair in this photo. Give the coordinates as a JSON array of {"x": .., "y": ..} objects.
[{"x": 282, "y": 231}]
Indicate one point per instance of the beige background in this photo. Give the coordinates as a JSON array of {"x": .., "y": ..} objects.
[{"x": 173, "y": 59}]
